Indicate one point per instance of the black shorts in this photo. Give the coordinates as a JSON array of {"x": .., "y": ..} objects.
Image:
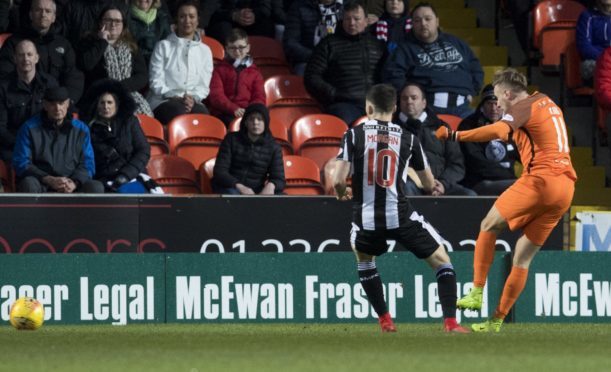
[{"x": 417, "y": 236}]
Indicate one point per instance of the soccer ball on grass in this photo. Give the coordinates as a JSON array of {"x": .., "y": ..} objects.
[{"x": 27, "y": 314}]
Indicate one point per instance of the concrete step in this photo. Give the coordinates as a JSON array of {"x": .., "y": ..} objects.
[
  {"x": 490, "y": 55},
  {"x": 592, "y": 196},
  {"x": 591, "y": 177},
  {"x": 454, "y": 4},
  {"x": 581, "y": 157},
  {"x": 457, "y": 18},
  {"x": 473, "y": 36}
]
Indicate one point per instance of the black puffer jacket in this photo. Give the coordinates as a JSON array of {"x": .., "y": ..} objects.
[
  {"x": 252, "y": 164},
  {"x": 343, "y": 67},
  {"x": 56, "y": 54},
  {"x": 18, "y": 103},
  {"x": 445, "y": 159},
  {"x": 298, "y": 39},
  {"x": 119, "y": 146},
  {"x": 148, "y": 35}
]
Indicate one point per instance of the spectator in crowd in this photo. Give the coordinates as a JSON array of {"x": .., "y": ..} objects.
[
  {"x": 236, "y": 81},
  {"x": 148, "y": 22},
  {"x": 56, "y": 56},
  {"x": 373, "y": 9},
  {"x": 21, "y": 95},
  {"x": 111, "y": 52},
  {"x": 119, "y": 145},
  {"x": 445, "y": 159},
  {"x": 443, "y": 63},
  {"x": 394, "y": 24},
  {"x": 602, "y": 80},
  {"x": 180, "y": 69},
  {"x": 206, "y": 8},
  {"x": 593, "y": 35},
  {"x": 253, "y": 16},
  {"x": 53, "y": 151},
  {"x": 250, "y": 161},
  {"x": 278, "y": 17},
  {"x": 5, "y": 6},
  {"x": 79, "y": 17},
  {"x": 307, "y": 23},
  {"x": 489, "y": 164},
  {"x": 344, "y": 65}
]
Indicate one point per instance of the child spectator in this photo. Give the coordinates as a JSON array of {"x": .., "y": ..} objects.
[{"x": 236, "y": 82}]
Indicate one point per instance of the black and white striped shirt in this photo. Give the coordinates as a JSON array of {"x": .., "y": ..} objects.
[{"x": 380, "y": 153}]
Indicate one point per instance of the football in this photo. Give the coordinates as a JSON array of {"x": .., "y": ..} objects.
[{"x": 27, "y": 314}]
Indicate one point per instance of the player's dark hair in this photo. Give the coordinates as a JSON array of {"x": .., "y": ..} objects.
[
  {"x": 512, "y": 79},
  {"x": 383, "y": 97},
  {"x": 424, "y": 4}
]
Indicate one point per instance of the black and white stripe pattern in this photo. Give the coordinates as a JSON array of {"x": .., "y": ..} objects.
[{"x": 380, "y": 153}]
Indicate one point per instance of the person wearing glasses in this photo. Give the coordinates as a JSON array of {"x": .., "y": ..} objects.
[
  {"x": 180, "y": 68},
  {"x": 109, "y": 51},
  {"x": 236, "y": 81}
]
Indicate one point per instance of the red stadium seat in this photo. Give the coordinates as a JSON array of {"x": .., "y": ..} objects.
[
  {"x": 554, "y": 42},
  {"x": 195, "y": 137},
  {"x": 175, "y": 175},
  {"x": 287, "y": 90},
  {"x": 452, "y": 120},
  {"x": 206, "y": 172},
  {"x": 571, "y": 75},
  {"x": 318, "y": 137},
  {"x": 3, "y": 38},
  {"x": 548, "y": 12},
  {"x": 288, "y": 114},
  {"x": 7, "y": 177},
  {"x": 268, "y": 55},
  {"x": 302, "y": 176},
  {"x": 153, "y": 130},
  {"x": 360, "y": 120},
  {"x": 218, "y": 51}
]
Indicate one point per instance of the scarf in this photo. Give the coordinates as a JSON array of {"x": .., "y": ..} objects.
[
  {"x": 146, "y": 17},
  {"x": 118, "y": 66},
  {"x": 382, "y": 28},
  {"x": 329, "y": 16},
  {"x": 241, "y": 64}
]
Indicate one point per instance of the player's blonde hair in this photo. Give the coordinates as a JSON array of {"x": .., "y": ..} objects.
[{"x": 512, "y": 79}]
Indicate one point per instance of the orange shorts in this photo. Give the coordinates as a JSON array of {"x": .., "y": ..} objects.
[{"x": 536, "y": 204}]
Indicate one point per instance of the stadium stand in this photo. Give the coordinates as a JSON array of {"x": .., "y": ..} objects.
[
  {"x": 174, "y": 174},
  {"x": 302, "y": 176},
  {"x": 287, "y": 90},
  {"x": 318, "y": 137},
  {"x": 195, "y": 137},
  {"x": 268, "y": 55},
  {"x": 205, "y": 176},
  {"x": 278, "y": 129},
  {"x": 153, "y": 130},
  {"x": 218, "y": 51},
  {"x": 3, "y": 37}
]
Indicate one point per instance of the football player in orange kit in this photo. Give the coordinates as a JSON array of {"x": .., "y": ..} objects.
[{"x": 536, "y": 201}]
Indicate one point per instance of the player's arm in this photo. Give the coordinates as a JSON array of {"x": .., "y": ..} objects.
[
  {"x": 342, "y": 170},
  {"x": 427, "y": 179},
  {"x": 499, "y": 130}
]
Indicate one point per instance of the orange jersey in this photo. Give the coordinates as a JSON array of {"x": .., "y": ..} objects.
[{"x": 539, "y": 132}]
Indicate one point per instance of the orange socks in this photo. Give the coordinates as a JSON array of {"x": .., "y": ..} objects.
[
  {"x": 513, "y": 287},
  {"x": 484, "y": 255}
]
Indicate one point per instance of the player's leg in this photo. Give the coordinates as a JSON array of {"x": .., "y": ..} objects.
[
  {"x": 491, "y": 226},
  {"x": 446, "y": 287},
  {"x": 525, "y": 251},
  {"x": 368, "y": 274}
]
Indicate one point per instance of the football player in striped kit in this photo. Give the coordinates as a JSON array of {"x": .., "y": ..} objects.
[{"x": 379, "y": 154}]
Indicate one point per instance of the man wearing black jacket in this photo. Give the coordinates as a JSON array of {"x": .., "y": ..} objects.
[
  {"x": 489, "y": 164},
  {"x": 445, "y": 159},
  {"x": 343, "y": 66},
  {"x": 56, "y": 53}
]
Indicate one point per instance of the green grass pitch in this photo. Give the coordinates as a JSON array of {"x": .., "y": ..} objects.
[{"x": 305, "y": 347}]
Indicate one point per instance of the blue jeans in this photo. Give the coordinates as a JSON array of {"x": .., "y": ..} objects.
[{"x": 346, "y": 111}]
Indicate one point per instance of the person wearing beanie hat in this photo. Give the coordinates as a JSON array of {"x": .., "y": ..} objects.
[
  {"x": 489, "y": 165},
  {"x": 250, "y": 161}
]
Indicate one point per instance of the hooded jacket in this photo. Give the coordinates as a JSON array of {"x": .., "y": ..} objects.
[
  {"x": 445, "y": 159},
  {"x": 148, "y": 35},
  {"x": 119, "y": 145},
  {"x": 57, "y": 58},
  {"x": 593, "y": 33},
  {"x": 252, "y": 164},
  {"x": 179, "y": 66}
]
